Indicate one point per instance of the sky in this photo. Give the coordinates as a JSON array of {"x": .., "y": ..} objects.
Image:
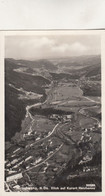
[{"x": 51, "y": 46}]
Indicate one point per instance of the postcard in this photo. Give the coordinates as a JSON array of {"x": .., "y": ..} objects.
[{"x": 52, "y": 106}]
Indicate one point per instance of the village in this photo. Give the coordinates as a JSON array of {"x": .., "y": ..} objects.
[{"x": 39, "y": 151}]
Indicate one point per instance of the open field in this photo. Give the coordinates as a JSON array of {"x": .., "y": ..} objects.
[
  {"x": 86, "y": 122},
  {"x": 53, "y": 122},
  {"x": 65, "y": 92}
]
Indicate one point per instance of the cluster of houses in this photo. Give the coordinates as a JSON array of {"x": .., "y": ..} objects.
[
  {"x": 13, "y": 168},
  {"x": 62, "y": 118},
  {"x": 89, "y": 169},
  {"x": 34, "y": 135}
]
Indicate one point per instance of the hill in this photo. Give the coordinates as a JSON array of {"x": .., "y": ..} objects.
[{"x": 15, "y": 107}]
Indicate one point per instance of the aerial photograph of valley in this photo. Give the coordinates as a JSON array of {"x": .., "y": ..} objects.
[{"x": 53, "y": 113}]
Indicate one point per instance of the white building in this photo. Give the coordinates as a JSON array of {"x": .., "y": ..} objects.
[{"x": 14, "y": 177}]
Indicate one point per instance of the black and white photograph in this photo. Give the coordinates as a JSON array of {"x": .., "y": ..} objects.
[{"x": 53, "y": 112}]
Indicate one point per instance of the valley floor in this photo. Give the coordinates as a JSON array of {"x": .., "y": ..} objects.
[{"x": 59, "y": 139}]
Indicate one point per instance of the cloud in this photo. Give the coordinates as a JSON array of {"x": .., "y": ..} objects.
[
  {"x": 75, "y": 48},
  {"x": 42, "y": 42},
  {"x": 79, "y": 47},
  {"x": 60, "y": 48},
  {"x": 37, "y": 42},
  {"x": 28, "y": 47}
]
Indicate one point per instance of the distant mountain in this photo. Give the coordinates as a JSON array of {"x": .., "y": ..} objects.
[
  {"x": 44, "y": 71},
  {"x": 77, "y": 61},
  {"x": 43, "y": 63},
  {"x": 70, "y": 65}
]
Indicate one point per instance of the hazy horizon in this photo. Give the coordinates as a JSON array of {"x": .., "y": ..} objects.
[
  {"x": 51, "y": 58},
  {"x": 51, "y": 46}
]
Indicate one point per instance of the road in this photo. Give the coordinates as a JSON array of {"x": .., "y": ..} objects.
[
  {"x": 81, "y": 111},
  {"x": 45, "y": 159},
  {"x": 58, "y": 131},
  {"x": 28, "y": 114},
  {"x": 92, "y": 100},
  {"x": 44, "y": 137},
  {"x": 54, "y": 129},
  {"x": 60, "y": 134}
]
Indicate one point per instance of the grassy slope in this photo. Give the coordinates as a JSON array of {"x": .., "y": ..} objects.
[{"x": 15, "y": 108}]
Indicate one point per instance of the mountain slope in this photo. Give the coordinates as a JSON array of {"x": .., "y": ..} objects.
[{"x": 15, "y": 107}]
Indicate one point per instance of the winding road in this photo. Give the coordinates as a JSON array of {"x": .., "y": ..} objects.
[
  {"x": 37, "y": 165},
  {"x": 44, "y": 137},
  {"x": 81, "y": 111},
  {"x": 58, "y": 131},
  {"x": 28, "y": 114}
]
